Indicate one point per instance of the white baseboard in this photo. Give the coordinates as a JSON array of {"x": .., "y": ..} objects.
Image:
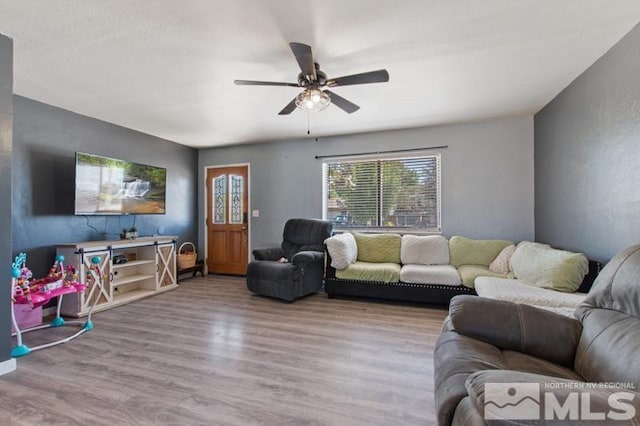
[{"x": 7, "y": 366}]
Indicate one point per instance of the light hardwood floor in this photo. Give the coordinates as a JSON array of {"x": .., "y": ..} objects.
[{"x": 210, "y": 353}]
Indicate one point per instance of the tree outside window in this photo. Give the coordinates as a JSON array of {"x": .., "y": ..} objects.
[{"x": 384, "y": 192}]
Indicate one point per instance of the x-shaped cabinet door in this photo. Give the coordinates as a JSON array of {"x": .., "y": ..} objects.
[
  {"x": 166, "y": 256},
  {"x": 95, "y": 293}
]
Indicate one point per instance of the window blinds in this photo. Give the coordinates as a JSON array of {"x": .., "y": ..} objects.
[{"x": 384, "y": 192}]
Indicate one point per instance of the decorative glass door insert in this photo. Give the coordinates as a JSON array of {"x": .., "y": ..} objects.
[
  {"x": 235, "y": 200},
  {"x": 236, "y": 185},
  {"x": 220, "y": 199}
]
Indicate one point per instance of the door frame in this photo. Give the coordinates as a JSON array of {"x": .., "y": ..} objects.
[{"x": 205, "y": 212}]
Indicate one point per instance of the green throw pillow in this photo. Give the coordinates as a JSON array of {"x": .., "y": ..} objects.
[
  {"x": 465, "y": 251},
  {"x": 469, "y": 273},
  {"x": 378, "y": 247},
  {"x": 546, "y": 267}
]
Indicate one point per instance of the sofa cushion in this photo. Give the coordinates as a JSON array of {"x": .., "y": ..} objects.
[
  {"x": 430, "y": 274},
  {"x": 424, "y": 250},
  {"x": 518, "y": 292},
  {"x": 468, "y": 273},
  {"x": 466, "y": 251},
  {"x": 546, "y": 267},
  {"x": 500, "y": 264},
  {"x": 378, "y": 247},
  {"x": 371, "y": 271},
  {"x": 343, "y": 250}
]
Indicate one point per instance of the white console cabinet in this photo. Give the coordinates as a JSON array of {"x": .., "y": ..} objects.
[{"x": 150, "y": 268}]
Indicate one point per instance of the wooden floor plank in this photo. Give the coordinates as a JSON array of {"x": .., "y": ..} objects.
[{"x": 210, "y": 353}]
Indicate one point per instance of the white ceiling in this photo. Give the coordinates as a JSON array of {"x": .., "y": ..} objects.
[{"x": 166, "y": 67}]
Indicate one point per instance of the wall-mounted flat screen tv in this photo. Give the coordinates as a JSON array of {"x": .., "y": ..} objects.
[{"x": 107, "y": 186}]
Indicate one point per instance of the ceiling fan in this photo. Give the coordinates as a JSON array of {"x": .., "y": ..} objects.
[{"x": 315, "y": 97}]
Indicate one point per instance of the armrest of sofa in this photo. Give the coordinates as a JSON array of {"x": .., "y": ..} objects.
[
  {"x": 513, "y": 326},
  {"x": 514, "y": 391},
  {"x": 330, "y": 271},
  {"x": 587, "y": 282},
  {"x": 304, "y": 258},
  {"x": 274, "y": 253}
]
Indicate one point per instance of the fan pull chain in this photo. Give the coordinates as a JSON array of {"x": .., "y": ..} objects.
[
  {"x": 309, "y": 125},
  {"x": 316, "y": 127}
]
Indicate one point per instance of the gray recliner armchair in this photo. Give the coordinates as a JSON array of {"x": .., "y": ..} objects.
[
  {"x": 301, "y": 271},
  {"x": 498, "y": 362}
]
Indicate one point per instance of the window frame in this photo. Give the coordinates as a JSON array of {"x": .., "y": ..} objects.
[{"x": 385, "y": 157}]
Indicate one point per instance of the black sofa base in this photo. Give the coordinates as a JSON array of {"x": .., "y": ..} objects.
[{"x": 436, "y": 294}]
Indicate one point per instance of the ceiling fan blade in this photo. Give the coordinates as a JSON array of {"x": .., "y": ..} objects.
[
  {"x": 303, "y": 55},
  {"x": 345, "y": 105},
  {"x": 379, "y": 76},
  {"x": 263, "y": 83},
  {"x": 291, "y": 106}
]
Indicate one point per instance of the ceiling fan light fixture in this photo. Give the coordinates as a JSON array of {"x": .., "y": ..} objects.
[
  {"x": 312, "y": 100},
  {"x": 311, "y": 79}
]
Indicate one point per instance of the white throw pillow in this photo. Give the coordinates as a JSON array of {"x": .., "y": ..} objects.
[
  {"x": 424, "y": 250},
  {"x": 500, "y": 264},
  {"x": 343, "y": 250}
]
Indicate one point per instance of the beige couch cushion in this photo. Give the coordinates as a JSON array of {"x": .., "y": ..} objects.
[
  {"x": 516, "y": 291},
  {"x": 430, "y": 274},
  {"x": 424, "y": 250}
]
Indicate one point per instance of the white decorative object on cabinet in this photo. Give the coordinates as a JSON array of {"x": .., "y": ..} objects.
[{"x": 148, "y": 268}]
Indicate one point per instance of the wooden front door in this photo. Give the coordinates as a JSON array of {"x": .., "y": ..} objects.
[{"x": 227, "y": 220}]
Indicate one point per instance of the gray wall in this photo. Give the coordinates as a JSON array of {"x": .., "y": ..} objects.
[
  {"x": 45, "y": 141},
  {"x": 487, "y": 176},
  {"x": 6, "y": 124},
  {"x": 587, "y": 157}
]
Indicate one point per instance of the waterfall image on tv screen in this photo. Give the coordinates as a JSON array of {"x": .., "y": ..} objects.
[{"x": 111, "y": 186}]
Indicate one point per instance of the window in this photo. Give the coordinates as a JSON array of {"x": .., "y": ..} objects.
[{"x": 397, "y": 192}]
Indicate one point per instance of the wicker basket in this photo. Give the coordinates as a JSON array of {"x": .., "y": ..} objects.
[{"x": 188, "y": 258}]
